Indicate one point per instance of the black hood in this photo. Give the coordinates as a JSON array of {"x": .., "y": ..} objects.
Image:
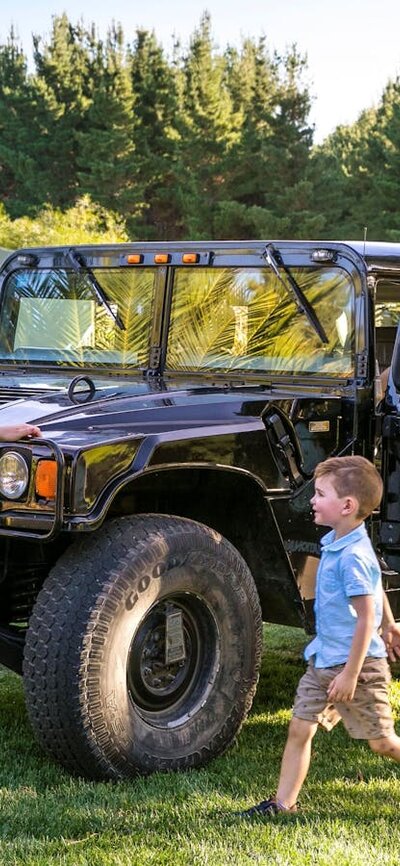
[{"x": 137, "y": 408}]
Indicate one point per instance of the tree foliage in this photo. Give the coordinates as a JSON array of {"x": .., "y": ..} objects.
[
  {"x": 207, "y": 143},
  {"x": 85, "y": 222}
]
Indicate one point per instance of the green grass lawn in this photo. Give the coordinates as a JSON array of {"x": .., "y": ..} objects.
[{"x": 350, "y": 803}]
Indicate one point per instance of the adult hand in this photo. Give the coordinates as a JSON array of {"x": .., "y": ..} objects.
[
  {"x": 13, "y": 432},
  {"x": 391, "y": 637}
]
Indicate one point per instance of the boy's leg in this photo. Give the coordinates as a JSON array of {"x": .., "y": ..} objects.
[
  {"x": 295, "y": 761},
  {"x": 388, "y": 747},
  {"x": 294, "y": 768},
  {"x": 310, "y": 708}
]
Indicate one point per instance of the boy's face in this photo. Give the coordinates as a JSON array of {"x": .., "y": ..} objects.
[{"x": 329, "y": 508}]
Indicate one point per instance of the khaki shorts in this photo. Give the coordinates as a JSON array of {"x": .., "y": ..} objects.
[{"x": 367, "y": 717}]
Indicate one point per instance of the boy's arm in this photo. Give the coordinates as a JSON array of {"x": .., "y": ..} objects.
[
  {"x": 391, "y": 631},
  {"x": 343, "y": 686}
]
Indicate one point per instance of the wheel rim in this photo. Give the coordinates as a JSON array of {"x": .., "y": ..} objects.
[{"x": 159, "y": 687}]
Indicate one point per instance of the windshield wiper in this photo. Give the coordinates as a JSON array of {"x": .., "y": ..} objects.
[
  {"x": 78, "y": 263},
  {"x": 275, "y": 261}
]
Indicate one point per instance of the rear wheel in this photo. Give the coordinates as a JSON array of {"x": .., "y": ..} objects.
[{"x": 143, "y": 649}]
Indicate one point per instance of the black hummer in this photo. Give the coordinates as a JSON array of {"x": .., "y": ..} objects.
[{"x": 185, "y": 393}]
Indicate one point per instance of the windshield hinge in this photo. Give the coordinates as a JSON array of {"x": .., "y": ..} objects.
[
  {"x": 155, "y": 357},
  {"x": 362, "y": 365}
]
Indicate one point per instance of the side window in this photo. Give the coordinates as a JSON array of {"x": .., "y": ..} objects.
[{"x": 387, "y": 318}]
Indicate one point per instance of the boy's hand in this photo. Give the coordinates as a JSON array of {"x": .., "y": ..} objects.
[{"x": 342, "y": 687}]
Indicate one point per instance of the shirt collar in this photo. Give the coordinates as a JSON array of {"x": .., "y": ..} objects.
[{"x": 328, "y": 541}]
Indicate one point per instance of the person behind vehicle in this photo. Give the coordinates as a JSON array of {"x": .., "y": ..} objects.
[
  {"x": 348, "y": 674},
  {"x": 13, "y": 432},
  {"x": 390, "y": 631},
  {"x": 384, "y": 376}
]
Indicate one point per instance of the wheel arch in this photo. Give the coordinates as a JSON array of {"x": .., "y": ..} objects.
[{"x": 235, "y": 504}]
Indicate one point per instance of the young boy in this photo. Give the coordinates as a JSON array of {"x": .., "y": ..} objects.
[
  {"x": 348, "y": 674},
  {"x": 13, "y": 432}
]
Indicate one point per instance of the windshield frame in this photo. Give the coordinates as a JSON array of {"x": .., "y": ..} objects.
[{"x": 295, "y": 253}]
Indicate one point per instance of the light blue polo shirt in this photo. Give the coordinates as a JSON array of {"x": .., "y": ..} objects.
[{"x": 348, "y": 567}]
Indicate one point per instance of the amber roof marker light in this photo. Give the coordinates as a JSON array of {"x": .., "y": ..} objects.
[
  {"x": 190, "y": 258},
  {"x": 162, "y": 258},
  {"x": 134, "y": 259}
]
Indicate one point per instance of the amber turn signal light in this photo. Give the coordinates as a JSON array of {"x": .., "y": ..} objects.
[{"x": 46, "y": 479}]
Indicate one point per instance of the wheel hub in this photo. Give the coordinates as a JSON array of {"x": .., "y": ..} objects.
[
  {"x": 165, "y": 657},
  {"x": 170, "y": 656}
]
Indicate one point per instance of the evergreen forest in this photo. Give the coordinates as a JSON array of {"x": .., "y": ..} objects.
[{"x": 115, "y": 139}]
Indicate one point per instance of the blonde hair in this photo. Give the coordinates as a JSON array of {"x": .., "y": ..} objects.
[{"x": 354, "y": 476}]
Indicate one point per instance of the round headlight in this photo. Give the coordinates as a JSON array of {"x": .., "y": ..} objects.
[{"x": 14, "y": 475}]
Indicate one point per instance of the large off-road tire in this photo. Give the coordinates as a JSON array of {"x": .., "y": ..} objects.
[{"x": 143, "y": 649}]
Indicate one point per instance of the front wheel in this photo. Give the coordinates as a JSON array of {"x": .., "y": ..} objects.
[{"x": 143, "y": 649}]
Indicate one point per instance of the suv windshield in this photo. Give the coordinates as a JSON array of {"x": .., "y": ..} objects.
[
  {"x": 55, "y": 316},
  {"x": 243, "y": 319}
]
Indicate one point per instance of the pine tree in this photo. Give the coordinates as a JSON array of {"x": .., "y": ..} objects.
[
  {"x": 106, "y": 159},
  {"x": 208, "y": 130},
  {"x": 382, "y": 167},
  {"x": 289, "y": 192},
  {"x": 157, "y": 139},
  {"x": 20, "y": 132},
  {"x": 267, "y": 192},
  {"x": 342, "y": 170},
  {"x": 65, "y": 79}
]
